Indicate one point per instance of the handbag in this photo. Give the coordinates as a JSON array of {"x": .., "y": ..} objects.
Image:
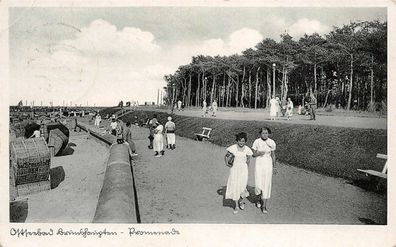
[{"x": 229, "y": 159}]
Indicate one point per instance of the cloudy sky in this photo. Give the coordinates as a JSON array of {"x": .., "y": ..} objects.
[{"x": 103, "y": 55}]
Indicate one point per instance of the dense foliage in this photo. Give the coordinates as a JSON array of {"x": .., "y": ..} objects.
[{"x": 346, "y": 68}]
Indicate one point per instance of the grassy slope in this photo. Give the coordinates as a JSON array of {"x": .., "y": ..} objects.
[{"x": 333, "y": 151}]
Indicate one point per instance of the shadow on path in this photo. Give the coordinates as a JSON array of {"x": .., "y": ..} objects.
[
  {"x": 57, "y": 175},
  {"x": 19, "y": 211}
]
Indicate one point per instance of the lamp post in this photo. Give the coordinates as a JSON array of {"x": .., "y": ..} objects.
[{"x": 273, "y": 80}]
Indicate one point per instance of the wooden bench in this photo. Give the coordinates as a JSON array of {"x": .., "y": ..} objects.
[
  {"x": 204, "y": 135},
  {"x": 382, "y": 174}
]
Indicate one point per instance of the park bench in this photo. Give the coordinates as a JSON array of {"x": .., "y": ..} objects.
[
  {"x": 382, "y": 174},
  {"x": 204, "y": 135}
]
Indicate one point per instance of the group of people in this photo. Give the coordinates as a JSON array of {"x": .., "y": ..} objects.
[
  {"x": 123, "y": 134},
  {"x": 205, "y": 109},
  {"x": 98, "y": 119},
  {"x": 157, "y": 132},
  {"x": 239, "y": 156},
  {"x": 276, "y": 108}
]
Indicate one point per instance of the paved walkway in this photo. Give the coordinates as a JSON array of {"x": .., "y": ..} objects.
[
  {"x": 186, "y": 185},
  {"x": 363, "y": 121}
]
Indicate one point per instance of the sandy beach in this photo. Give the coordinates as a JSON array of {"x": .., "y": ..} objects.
[{"x": 76, "y": 180}]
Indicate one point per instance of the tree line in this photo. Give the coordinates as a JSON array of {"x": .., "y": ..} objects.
[{"x": 345, "y": 68}]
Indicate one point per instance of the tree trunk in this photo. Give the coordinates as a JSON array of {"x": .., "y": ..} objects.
[
  {"x": 256, "y": 88},
  {"x": 197, "y": 96},
  {"x": 242, "y": 95},
  {"x": 315, "y": 80},
  {"x": 228, "y": 91},
  {"x": 184, "y": 91},
  {"x": 189, "y": 92},
  {"x": 268, "y": 87},
  {"x": 350, "y": 84},
  {"x": 250, "y": 89},
  {"x": 237, "y": 92},
  {"x": 203, "y": 92},
  {"x": 213, "y": 87},
  {"x": 372, "y": 84},
  {"x": 224, "y": 91}
]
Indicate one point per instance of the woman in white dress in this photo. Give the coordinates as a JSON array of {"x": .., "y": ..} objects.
[
  {"x": 238, "y": 178},
  {"x": 158, "y": 140},
  {"x": 264, "y": 152},
  {"x": 273, "y": 107},
  {"x": 289, "y": 109}
]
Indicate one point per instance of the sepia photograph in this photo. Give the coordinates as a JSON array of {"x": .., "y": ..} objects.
[{"x": 147, "y": 115}]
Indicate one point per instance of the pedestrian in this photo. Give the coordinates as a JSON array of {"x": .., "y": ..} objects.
[
  {"x": 278, "y": 107},
  {"x": 119, "y": 128},
  {"x": 264, "y": 153},
  {"x": 289, "y": 109},
  {"x": 99, "y": 119},
  {"x": 204, "y": 110},
  {"x": 313, "y": 105},
  {"x": 127, "y": 135},
  {"x": 214, "y": 108},
  {"x": 238, "y": 177},
  {"x": 179, "y": 105},
  {"x": 113, "y": 126},
  {"x": 151, "y": 124},
  {"x": 273, "y": 107},
  {"x": 170, "y": 128},
  {"x": 158, "y": 139}
]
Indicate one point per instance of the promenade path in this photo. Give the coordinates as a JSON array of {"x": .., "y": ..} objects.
[
  {"x": 186, "y": 185},
  {"x": 339, "y": 119}
]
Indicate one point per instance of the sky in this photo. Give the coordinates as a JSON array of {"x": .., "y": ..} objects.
[{"x": 103, "y": 55}]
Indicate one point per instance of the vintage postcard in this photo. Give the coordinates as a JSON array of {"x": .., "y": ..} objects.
[{"x": 197, "y": 123}]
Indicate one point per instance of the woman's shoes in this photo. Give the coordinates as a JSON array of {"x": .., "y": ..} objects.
[
  {"x": 241, "y": 205},
  {"x": 258, "y": 204},
  {"x": 264, "y": 210}
]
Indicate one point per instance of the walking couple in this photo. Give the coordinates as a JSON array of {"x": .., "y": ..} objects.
[{"x": 238, "y": 158}]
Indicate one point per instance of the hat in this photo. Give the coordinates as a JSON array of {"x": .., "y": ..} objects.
[{"x": 169, "y": 118}]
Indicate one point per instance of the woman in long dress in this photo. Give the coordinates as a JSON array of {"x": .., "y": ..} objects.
[
  {"x": 289, "y": 109},
  {"x": 264, "y": 152},
  {"x": 238, "y": 178},
  {"x": 273, "y": 108},
  {"x": 158, "y": 142}
]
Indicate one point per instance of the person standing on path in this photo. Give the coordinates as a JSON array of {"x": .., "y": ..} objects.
[
  {"x": 238, "y": 178},
  {"x": 204, "y": 110},
  {"x": 113, "y": 126},
  {"x": 170, "y": 128},
  {"x": 289, "y": 109},
  {"x": 151, "y": 124},
  {"x": 179, "y": 105},
  {"x": 158, "y": 139},
  {"x": 313, "y": 105},
  {"x": 214, "y": 108},
  {"x": 264, "y": 152},
  {"x": 278, "y": 107},
  {"x": 127, "y": 135},
  {"x": 273, "y": 108}
]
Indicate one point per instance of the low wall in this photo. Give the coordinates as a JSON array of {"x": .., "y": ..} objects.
[{"x": 116, "y": 202}]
